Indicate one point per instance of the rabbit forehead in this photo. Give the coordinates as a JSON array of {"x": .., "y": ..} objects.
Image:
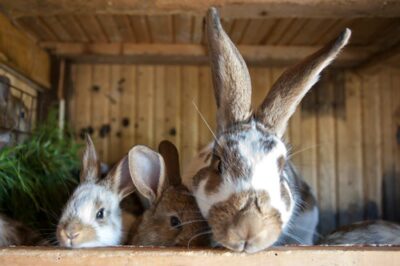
[
  {"x": 88, "y": 198},
  {"x": 250, "y": 164}
]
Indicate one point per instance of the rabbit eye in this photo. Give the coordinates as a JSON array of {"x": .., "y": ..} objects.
[
  {"x": 175, "y": 222},
  {"x": 218, "y": 164},
  {"x": 22, "y": 115},
  {"x": 100, "y": 214}
]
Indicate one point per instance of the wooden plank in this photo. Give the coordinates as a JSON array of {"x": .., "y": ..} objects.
[
  {"x": 326, "y": 166},
  {"x": 231, "y": 8},
  {"x": 308, "y": 129},
  {"x": 57, "y": 28},
  {"x": 100, "y": 110},
  {"x": 92, "y": 28},
  {"x": 38, "y": 27},
  {"x": 238, "y": 28},
  {"x": 161, "y": 28},
  {"x": 252, "y": 31},
  {"x": 73, "y": 28},
  {"x": 145, "y": 106},
  {"x": 207, "y": 108},
  {"x": 110, "y": 28},
  {"x": 277, "y": 31},
  {"x": 311, "y": 31},
  {"x": 159, "y": 104},
  {"x": 396, "y": 133},
  {"x": 372, "y": 164},
  {"x": 125, "y": 28},
  {"x": 292, "y": 31},
  {"x": 189, "y": 115},
  {"x": 193, "y": 53},
  {"x": 19, "y": 52},
  {"x": 116, "y": 256},
  {"x": 182, "y": 28},
  {"x": 388, "y": 140},
  {"x": 141, "y": 28},
  {"x": 349, "y": 136},
  {"x": 117, "y": 88},
  {"x": 197, "y": 29},
  {"x": 172, "y": 106},
  {"x": 128, "y": 107},
  {"x": 261, "y": 80},
  {"x": 83, "y": 86}
]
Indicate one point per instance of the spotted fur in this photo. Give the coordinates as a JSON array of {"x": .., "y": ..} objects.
[
  {"x": 249, "y": 191},
  {"x": 80, "y": 225}
]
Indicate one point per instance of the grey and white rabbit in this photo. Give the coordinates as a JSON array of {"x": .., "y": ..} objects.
[
  {"x": 92, "y": 216},
  {"x": 376, "y": 232},
  {"x": 249, "y": 191}
]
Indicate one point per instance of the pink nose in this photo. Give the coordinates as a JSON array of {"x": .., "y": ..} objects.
[{"x": 71, "y": 235}]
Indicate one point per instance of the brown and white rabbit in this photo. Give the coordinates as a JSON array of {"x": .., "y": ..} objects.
[
  {"x": 172, "y": 217},
  {"x": 250, "y": 193},
  {"x": 92, "y": 216},
  {"x": 376, "y": 232},
  {"x": 14, "y": 233}
]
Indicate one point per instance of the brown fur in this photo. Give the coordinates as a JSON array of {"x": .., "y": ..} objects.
[
  {"x": 242, "y": 210},
  {"x": 155, "y": 229},
  {"x": 90, "y": 163},
  {"x": 15, "y": 233}
]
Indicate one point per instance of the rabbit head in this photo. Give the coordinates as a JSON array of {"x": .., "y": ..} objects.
[
  {"x": 172, "y": 217},
  {"x": 244, "y": 192},
  {"x": 92, "y": 216}
]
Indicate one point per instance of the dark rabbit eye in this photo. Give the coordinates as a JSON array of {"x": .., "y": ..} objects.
[
  {"x": 100, "y": 214},
  {"x": 175, "y": 222},
  {"x": 219, "y": 167},
  {"x": 22, "y": 115}
]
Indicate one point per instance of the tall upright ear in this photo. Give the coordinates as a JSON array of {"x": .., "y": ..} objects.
[
  {"x": 171, "y": 158},
  {"x": 147, "y": 170},
  {"x": 231, "y": 78},
  {"x": 119, "y": 178},
  {"x": 294, "y": 83},
  {"x": 90, "y": 163}
]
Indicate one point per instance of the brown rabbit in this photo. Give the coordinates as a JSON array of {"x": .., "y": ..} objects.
[
  {"x": 15, "y": 233},
  {"x": 172, "y": 217}
]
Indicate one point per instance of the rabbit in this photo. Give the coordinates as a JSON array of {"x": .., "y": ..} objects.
[
  {"x": 250, "y": 193},
  {"x": 13, "y": 112},
  {"x": 92, "y": 216},
  {"x": 172, "y": 217},
  {"x": 14, "y": 233},
  {"x": 376, "y": 232}
]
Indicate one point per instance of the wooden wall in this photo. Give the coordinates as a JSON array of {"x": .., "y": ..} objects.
[{"x": 343, "y": 136}]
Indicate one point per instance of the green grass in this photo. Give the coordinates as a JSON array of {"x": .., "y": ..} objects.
[{"x": 37, "y": 176}]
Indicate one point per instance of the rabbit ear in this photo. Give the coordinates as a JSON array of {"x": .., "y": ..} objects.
[
  {"x": 90, "y": 163},
  {"x": 294, "y": 83},
  {"x": 119, "y": 178},
  {"x": 147, "y": 170},
  {"x": 231, "y": 78},
  {"x": 171, "y": 157}
]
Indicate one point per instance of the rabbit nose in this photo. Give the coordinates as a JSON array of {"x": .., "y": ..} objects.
[{"x": 71, "y": 234}]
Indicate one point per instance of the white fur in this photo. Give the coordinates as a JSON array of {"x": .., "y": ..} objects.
[
  {"x": 266, "y": 177},
  {"x": 82, "y": 206},
  {"x": 197, "y": 163}
]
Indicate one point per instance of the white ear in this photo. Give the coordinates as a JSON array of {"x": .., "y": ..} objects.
[
  {"x": 147, "y": 170},
  {"x": 119, "y": 178},
  {"x": 90, "y": 163}
]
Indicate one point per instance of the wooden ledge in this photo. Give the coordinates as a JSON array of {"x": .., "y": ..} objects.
[{"x": 126, "y": 255}]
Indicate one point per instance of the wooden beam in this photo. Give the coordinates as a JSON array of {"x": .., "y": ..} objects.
[
  {"x": 229, "y": 8},
  {"x": 310, "y": 256},
  {"x": 191, "y": 53},
  {"x": 20, "y": 52},
  {"x": 380, "y": 58}
]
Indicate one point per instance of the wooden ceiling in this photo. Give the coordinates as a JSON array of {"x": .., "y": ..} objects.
[
  {"x": 77, "y": 28},
  {"x": 183, "y": 28}
]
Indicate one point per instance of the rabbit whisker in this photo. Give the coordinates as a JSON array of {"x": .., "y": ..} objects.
[
  {"x": 205, "y": 122},
  {"x": 197, "y": 235}
]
